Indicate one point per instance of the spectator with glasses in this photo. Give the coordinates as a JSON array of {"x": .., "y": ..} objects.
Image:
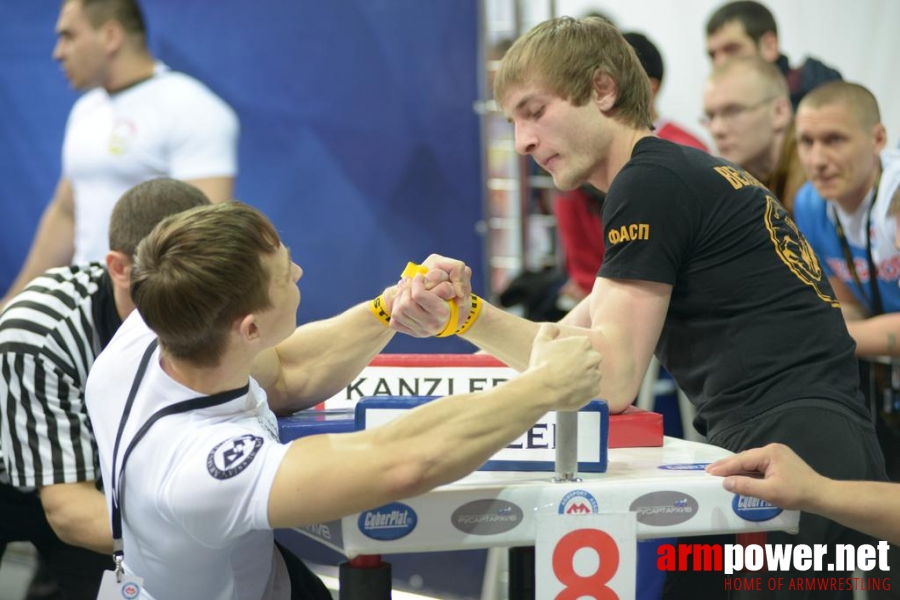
[{"x": 748, "y": 113}]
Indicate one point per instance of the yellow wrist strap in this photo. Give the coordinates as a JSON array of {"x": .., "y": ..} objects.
[
  {"x": 474, "y": 312},
  {"x": 411, "y": 270},
  {"x": 380, "y": 310}
]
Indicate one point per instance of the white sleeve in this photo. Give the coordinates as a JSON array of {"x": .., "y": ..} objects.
[
  {"x": 220, "y": 488},
  {"x": 204, "y": 137}
]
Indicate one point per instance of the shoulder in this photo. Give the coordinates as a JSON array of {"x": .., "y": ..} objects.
[
  {"x": 889, "y": 187},
  {"x": 658, "y": 165},
  {"x": 808, "y": 202},
  {"x": 89, "y": 102},
  {"x": 54, "y": 294},
  {"x": 122, "y": 355},
  {"x": 817, "y": 72},
  {"x": 673, "y": 132},
  {"x": 186, "y": 91}
]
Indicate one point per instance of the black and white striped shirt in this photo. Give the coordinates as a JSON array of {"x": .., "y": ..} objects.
[{"x": 49, "y": 336}]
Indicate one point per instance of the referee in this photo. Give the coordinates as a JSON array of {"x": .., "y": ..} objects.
[{"x": 50, "y": 334}]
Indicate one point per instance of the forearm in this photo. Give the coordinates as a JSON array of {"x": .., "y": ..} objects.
[
  {"x": 320, "y": 358},
  {"x": 510, "y": 338},
  {"x": 868, "y": 506},
  {"x": 451, "y": 437},
  {"x": 876, "y": 336},
  {"x": 503, "y": 335},
  {"x": 77, "y": 513}
]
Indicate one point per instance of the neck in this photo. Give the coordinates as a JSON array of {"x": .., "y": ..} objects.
[
  {"x": 620, "y": 149},
  {"x": 763, "y": 167},
  {"x": 852, "y": 202},
  {"x": 228, "y": 374},
  {"x": 129, "y": 68},
  {"x": 124, "y": 305}
]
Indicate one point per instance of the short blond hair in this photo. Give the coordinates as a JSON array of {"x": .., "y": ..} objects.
[
  {"x": 775, "y": 85},
  {"x": 856, "y": 98},
  {"x": 564, "y": 56}
]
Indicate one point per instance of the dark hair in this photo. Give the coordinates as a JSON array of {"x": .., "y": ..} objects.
[
  {"x": 200, "y": 270},
  {"x": 126, "y": 12},
  {"x": 142, "y": 207},
  {"x": 756, "y": 19},
  {"x": 647, "y": 53}
]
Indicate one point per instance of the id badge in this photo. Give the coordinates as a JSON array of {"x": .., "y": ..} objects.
[{"x": 110, "y": 589}]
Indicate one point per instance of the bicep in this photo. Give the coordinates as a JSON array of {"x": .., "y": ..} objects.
[{"x": 347, "y": 471}]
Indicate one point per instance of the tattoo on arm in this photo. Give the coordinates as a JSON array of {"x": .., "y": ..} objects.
[{"x": 891, "y": 343}]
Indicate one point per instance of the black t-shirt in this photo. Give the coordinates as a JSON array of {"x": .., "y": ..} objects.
[{"x": 752, "y": 321}]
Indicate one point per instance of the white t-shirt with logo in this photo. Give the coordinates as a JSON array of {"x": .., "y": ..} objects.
[
  {"x": 170, "y": 125},
  {"x": 196, "y": 488}
]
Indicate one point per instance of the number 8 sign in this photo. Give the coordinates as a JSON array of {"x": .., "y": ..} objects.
[{"x": 587, "y": 556}]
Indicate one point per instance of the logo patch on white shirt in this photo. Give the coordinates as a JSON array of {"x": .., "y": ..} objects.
[{"x": 232, "y": 456}]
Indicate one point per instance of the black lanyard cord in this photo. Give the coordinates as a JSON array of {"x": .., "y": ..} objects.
[
  {"x": 874, "y": 298},
  {"x": 184, "y": 406}
]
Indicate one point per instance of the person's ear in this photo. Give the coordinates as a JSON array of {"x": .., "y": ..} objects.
[
  {"x": 768, "y": 47},
  {"x": 605, "y": 91},
  {"x": 782, "y": 113},
  {"x": 247, "y": 328},
  {"x": 879, "y": 134},
  {"x": 113, "y": 36},
  {"x": 118, "y": 265}
]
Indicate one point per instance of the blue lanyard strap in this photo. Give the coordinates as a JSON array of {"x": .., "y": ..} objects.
[{"x": 199, "y": 402}]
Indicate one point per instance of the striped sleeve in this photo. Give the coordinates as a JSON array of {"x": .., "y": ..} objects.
[
  {"x": 46, "y": 437},
  {"x": 47, "y": 347}
]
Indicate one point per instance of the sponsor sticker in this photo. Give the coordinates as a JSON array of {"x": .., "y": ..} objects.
[
  {"x": 487, "y": 517},
  {"x": 389, "y": 522},
  {"x": 663, "y": 509},
  {"x": 578, "y": 502},
  {"x": 684, "y": 467},
  {"x": 330, "y": 532},
  {"x": 754, "y": 509}
]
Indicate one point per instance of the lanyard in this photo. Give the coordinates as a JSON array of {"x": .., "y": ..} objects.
[
  {"x": 173, "y": 409},
  {"x": 874, "y": 300}
]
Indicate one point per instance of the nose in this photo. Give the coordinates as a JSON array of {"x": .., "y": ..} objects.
[
  {"x": 716, "y": 125},
  {"x": 816, "y": 156},
  {"x": 58, "y": 50},
  {"x": 296, "y": 272},
  {"x": 526, "y": 142}
]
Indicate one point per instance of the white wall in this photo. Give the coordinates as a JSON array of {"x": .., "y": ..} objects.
[{"x": 861, "y": 39}]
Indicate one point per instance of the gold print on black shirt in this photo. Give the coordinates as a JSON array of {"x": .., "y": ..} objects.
[{"x": 794, "y": 250}]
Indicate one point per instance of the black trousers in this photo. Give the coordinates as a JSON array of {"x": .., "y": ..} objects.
[
  {"x": 837, "y": 444},
  {"x": 304, "y": 583},
  {"x": 77, "y": 571}
]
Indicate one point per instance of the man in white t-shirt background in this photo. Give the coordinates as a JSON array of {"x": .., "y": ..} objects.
[{"x": 137, "y": 120}]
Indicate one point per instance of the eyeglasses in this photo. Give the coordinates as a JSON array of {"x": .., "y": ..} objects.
[{"x": 732, "y": 112}]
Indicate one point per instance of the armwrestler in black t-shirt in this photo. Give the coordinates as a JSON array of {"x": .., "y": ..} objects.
[{"x": 703, "y": 267}]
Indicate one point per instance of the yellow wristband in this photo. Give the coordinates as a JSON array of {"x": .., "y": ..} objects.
[
  {"x": 380, "y": 310},
  {"x": 474, "y": 312},
  {"x": 411, "y": 270},
  {"x": 450, "y": 328}
]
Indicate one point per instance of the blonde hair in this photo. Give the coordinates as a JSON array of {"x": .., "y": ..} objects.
[
  {"x": 858, "y": 100},
  {"x": 564, "y": 56},
  {"x": 775, "y": 84}
]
